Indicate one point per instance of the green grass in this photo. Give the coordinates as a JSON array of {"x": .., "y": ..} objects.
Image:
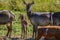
[{"x": 38, "y": 6}]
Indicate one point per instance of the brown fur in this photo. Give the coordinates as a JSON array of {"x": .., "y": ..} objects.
[
  {"x": 24, "y": 26},
  {"x": 53, "y": 32}
]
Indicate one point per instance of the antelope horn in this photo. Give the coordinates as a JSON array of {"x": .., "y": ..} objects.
[
  {"x": 32, "y": 2},
  {"x": 24, "y": 2}
]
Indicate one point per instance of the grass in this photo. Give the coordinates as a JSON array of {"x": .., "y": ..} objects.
[{"x": 39, "y": 6}]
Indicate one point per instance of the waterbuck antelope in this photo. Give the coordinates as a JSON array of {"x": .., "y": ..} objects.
[
  {"x": 56, "y": 18},
  {"x": 37, "y": 18},
  {"x": 49, "y": 33},
  {"x": 24, "y": 26},
  {"x": 6, "y": 17}
]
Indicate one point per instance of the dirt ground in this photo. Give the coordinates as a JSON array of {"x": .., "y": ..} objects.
[
  {"x": 16, "y": 38},
  {"x": 6, "y": 38}
]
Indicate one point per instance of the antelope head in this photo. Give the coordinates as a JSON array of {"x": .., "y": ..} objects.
[{"x": 28, "y": 5}]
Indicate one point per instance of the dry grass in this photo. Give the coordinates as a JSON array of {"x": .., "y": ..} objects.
[{"x": 4, "y": 38}]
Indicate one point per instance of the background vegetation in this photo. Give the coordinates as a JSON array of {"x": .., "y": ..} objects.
[{"x": 18, "y": 7}]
